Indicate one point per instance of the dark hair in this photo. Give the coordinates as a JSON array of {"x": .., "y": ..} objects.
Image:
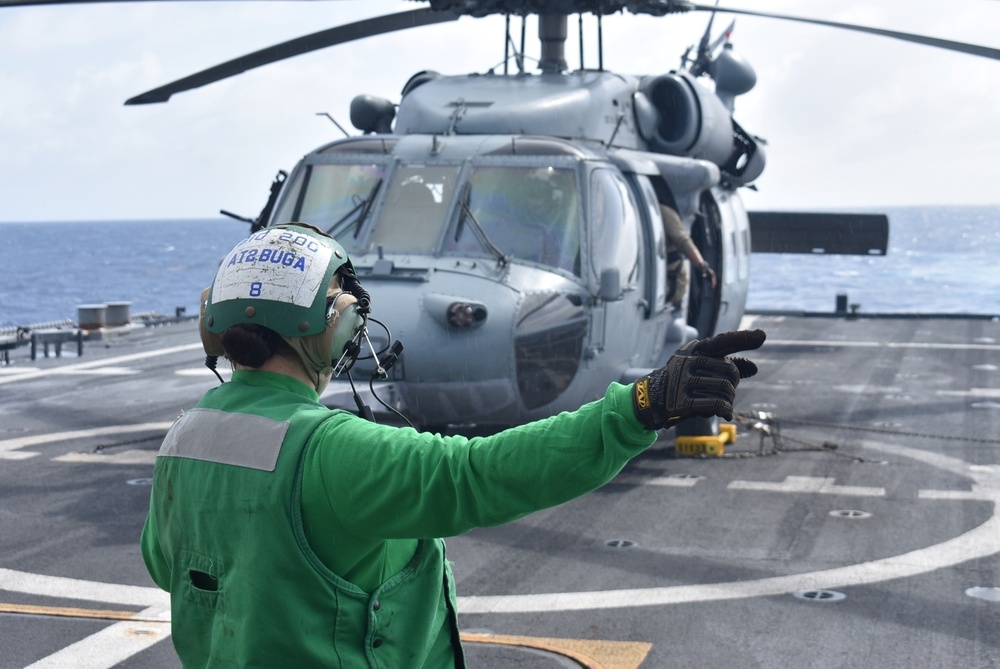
[{"x": 252, "y": 345}]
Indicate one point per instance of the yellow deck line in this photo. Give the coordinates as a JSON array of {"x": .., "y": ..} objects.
[
  {"x": 68, "y": 612},
  {"x": 588, "y": 653}
]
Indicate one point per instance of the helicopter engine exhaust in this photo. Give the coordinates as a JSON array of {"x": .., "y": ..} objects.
[
  {"x": 678, "y": 116},
  {"x": 681, "y": 118}
]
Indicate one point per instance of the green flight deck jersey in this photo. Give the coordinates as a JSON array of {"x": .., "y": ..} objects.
[{"x": 292, "y": 535}]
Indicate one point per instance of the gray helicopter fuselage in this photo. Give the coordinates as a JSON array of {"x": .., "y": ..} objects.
[
  {"x": 500, "y": 331},
  {"x": 585, "y": 106}
]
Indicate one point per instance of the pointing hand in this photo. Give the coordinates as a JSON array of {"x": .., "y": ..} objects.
[{"x": 698, "y": 380}]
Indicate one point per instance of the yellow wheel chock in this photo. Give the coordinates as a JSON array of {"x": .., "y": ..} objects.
[{"x": 711, "y": 445}]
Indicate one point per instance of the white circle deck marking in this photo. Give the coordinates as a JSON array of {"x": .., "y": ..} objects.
[
  {"x": 929, "y": 346},
  {"x": 92, "y": 364},
  {"x": 9, "y": 447},
  {"x": 106, "y": 647},
  {"x": 976, "y": 543}
]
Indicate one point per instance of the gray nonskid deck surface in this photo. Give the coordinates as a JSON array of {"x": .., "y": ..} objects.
[{"x": 864, "y": 536}]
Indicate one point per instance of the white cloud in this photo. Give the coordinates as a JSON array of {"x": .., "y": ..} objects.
[{"x": 851, "y": 120}]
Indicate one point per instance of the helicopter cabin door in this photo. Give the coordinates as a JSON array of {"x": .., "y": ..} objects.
[
  {"x": 618, "y": 243},
  {"x": 721, "y": 231}
]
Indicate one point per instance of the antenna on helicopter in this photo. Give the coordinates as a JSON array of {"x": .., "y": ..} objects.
[
  {"x": 509, "y": 44},
  {"x": 702, "y": 62},
  {"x": 518, "y": 57},
  {"x": 334, "y": 121},
  {"x": 600, "y": 42}
]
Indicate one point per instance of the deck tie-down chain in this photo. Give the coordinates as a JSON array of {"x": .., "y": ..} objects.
[
  {"x": 768, "y": 428},
  {"x": 100, "y": 448}
]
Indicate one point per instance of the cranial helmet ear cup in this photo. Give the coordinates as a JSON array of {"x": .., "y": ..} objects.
[
  {"x": 209, "y": 340},
  {"x": 343, "y": 322}
]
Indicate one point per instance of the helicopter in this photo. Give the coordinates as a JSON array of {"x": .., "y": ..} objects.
[{"x": 508, "y": 223}]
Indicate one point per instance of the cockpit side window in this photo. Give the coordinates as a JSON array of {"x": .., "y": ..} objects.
[
  {"x": 528, "y": 213},
  {"x": 615, "y": 225}
]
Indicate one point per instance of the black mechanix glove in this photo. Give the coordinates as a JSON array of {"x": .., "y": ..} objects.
[{"x": 698, "y": 380}]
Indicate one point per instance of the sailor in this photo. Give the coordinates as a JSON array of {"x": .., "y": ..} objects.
[
  {"x": 292, "y": 535},
  {"x": 681, "y": 246}
]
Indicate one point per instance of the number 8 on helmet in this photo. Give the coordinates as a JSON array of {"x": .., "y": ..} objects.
[{"x": 290, "y": 283}]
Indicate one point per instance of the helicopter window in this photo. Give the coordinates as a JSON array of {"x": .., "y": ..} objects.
[
  {"x": 414, "y": 210},
  {"x": 332, "y": 197},
  {"x": 654, "y": 239},
  {"x": 615, "y": 225},
  {"x": 528, "y": 213}
]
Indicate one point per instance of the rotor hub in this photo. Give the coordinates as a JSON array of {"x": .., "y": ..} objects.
[{"x": 479, "y": 8}]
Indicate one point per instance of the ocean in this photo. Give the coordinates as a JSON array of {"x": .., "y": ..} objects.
[
  {"x": 942, "y": 260},
  {"x": 51, "y": 268}
]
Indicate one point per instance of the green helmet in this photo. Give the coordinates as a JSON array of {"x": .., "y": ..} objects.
[
  {"x": 291, "y": 279},
  {"x": 277, "y": 278}
]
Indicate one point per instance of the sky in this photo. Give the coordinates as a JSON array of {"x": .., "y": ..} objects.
[{"x": 850, "y": 120}]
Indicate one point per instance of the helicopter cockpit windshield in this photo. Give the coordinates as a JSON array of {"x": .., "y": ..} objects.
[
  {"x": 414, "y": 209},
  {"x": 528, "y": 213},
  {"x": 334, "y": 197}
]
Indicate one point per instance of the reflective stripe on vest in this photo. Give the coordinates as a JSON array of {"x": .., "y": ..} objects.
[{"x": 209, "y": 435}]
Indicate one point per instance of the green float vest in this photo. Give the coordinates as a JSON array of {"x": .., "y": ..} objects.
[{"x": 246, "y": 589}]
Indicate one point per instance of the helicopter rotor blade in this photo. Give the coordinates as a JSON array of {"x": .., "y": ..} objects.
[
  {"x": 961, "y": 47},
  {"x": 27, "y": 3},
  {"x": 319, "y": 40}
]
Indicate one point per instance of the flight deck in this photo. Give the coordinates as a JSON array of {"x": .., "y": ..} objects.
[{"x": 853, "y": 522}]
